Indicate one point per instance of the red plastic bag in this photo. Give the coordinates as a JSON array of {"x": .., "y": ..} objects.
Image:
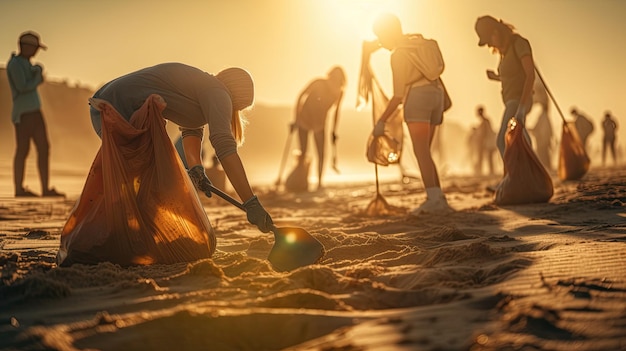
[
  {"x": 138, "y": 205},
  {"x": 573, "y": 159},
  {"x": 525, "y": 179}
]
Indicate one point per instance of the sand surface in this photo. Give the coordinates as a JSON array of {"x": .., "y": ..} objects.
[{"x": 545, "y": 276}]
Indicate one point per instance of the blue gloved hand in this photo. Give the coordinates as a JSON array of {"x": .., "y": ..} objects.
[
  {"x": 257, "y": 215},
  {"x": 379, "y": 128},
  {"x": 200, "y": 180}
]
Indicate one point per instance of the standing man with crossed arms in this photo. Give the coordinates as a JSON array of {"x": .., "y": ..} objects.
[{"x": 24, "y": 78}]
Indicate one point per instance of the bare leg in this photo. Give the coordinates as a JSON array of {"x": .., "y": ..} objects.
[
  {"x": 42, "y": 144},
  {"x": 612, "y": 144},
  {"x": 19, "y": 160},
  {"x": 320, "y": 146},
  {"x": 421, "y": 136}
]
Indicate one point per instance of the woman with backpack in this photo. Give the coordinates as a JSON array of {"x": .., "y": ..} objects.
[
  {"x": 516, "y": 71},
  {"x": 417, "y": 86}
]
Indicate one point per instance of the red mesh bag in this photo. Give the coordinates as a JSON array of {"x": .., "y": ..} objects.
[{"x": 138, "y": 205}]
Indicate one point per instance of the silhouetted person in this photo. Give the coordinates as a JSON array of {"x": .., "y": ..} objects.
[
  {"x": 423, "y": 103},
  {"x": 583, "y": 124},
  {"x": 312, "y": 108},
  {"x": 516, "y": 71},
  {"x": 543, "y": 137},
  {"x": 194, "y": 99},
  {"x": 609, "y": 127},
  {"x": 485, "y": 143},
  {"x": 24, "y": 78}
]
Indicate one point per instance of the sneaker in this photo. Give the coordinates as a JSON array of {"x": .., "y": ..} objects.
[
  {"x": 25, "y": 193},
  {"x": 437, "y": 205},
  {"x": 52, "y": 192}
]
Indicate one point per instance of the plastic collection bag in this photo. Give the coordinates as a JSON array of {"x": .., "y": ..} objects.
[
  {"x": 138, "y": 205},
  {"x": 525, "y": 179},
  {"x": 573, "y": 159},
  {"x": 298, "y": 180}
]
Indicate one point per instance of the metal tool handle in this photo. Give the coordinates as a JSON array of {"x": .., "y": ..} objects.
[{"x": 226, "y": 197}]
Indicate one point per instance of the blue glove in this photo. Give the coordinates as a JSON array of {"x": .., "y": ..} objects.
[
  {"x": 379, "y": 128},
  {"x": 257, "y": 215},
  {"x": 200, "y": 180}
]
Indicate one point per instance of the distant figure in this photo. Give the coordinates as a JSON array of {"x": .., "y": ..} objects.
[
  {"x": 312, "y": 108},
  {"x": 543, "y": 133},
  {"x": 486, "y": 145},
  {"x": 472, "y": 149},
  {"x": 421, "y": 92},
  {"x": 516, "y": 71},
  {"x": 24, "y": 78},
  {"x": 583, "y": 124},
  {"x": 609, "y": 127}
]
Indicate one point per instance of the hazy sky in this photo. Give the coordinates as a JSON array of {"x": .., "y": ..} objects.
[{"x": 578, "y": 44}]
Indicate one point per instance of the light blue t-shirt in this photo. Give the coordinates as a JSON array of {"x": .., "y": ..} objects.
[{"x": 24, "y": 78}]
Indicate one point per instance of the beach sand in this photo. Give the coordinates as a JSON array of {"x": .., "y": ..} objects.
[{"x": 546, "y": 276}]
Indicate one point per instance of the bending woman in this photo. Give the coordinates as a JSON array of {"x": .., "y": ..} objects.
[
  {"x": 194, "y": 99},
  {"x": 312, "y": 109}
]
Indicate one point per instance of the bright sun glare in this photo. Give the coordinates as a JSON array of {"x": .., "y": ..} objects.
[
  {"x": 356, "y": 16},
  {"x": 290, "y": 238}
]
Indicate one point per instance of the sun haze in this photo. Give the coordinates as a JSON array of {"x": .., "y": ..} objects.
[{"x": 285, "y": 44}]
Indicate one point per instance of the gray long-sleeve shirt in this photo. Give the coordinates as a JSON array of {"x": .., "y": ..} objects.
[{"x": 194, "y": 98}]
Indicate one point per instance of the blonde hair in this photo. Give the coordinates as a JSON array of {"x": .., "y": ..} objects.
[
  {"x": 238, "y": 123},
  {"x": 240, "y": 87}
]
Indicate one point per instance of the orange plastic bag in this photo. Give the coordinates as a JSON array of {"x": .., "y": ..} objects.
[
  {"x": 573, "y": 159},
  {"x": 525, "y": 179},
  {"x": 138, "y": 205}
]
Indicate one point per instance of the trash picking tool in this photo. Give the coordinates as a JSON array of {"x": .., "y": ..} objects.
[
  {"x": 293, "y": 247},
  {"x": 285, "y": 154},
  {"x": 573, "y": 159}
]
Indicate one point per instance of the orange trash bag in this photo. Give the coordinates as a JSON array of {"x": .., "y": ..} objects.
[
  {"x": 573, "y": 159},
  {"x": 525, "y": 179},
  {"x": 138, "y": 205}
]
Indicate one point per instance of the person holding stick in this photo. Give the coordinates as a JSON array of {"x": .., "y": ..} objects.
[
  {"x": 422, "y": 98},
  {"x": 516, "y": 71},
  {"x": 194, "y": 99}
]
